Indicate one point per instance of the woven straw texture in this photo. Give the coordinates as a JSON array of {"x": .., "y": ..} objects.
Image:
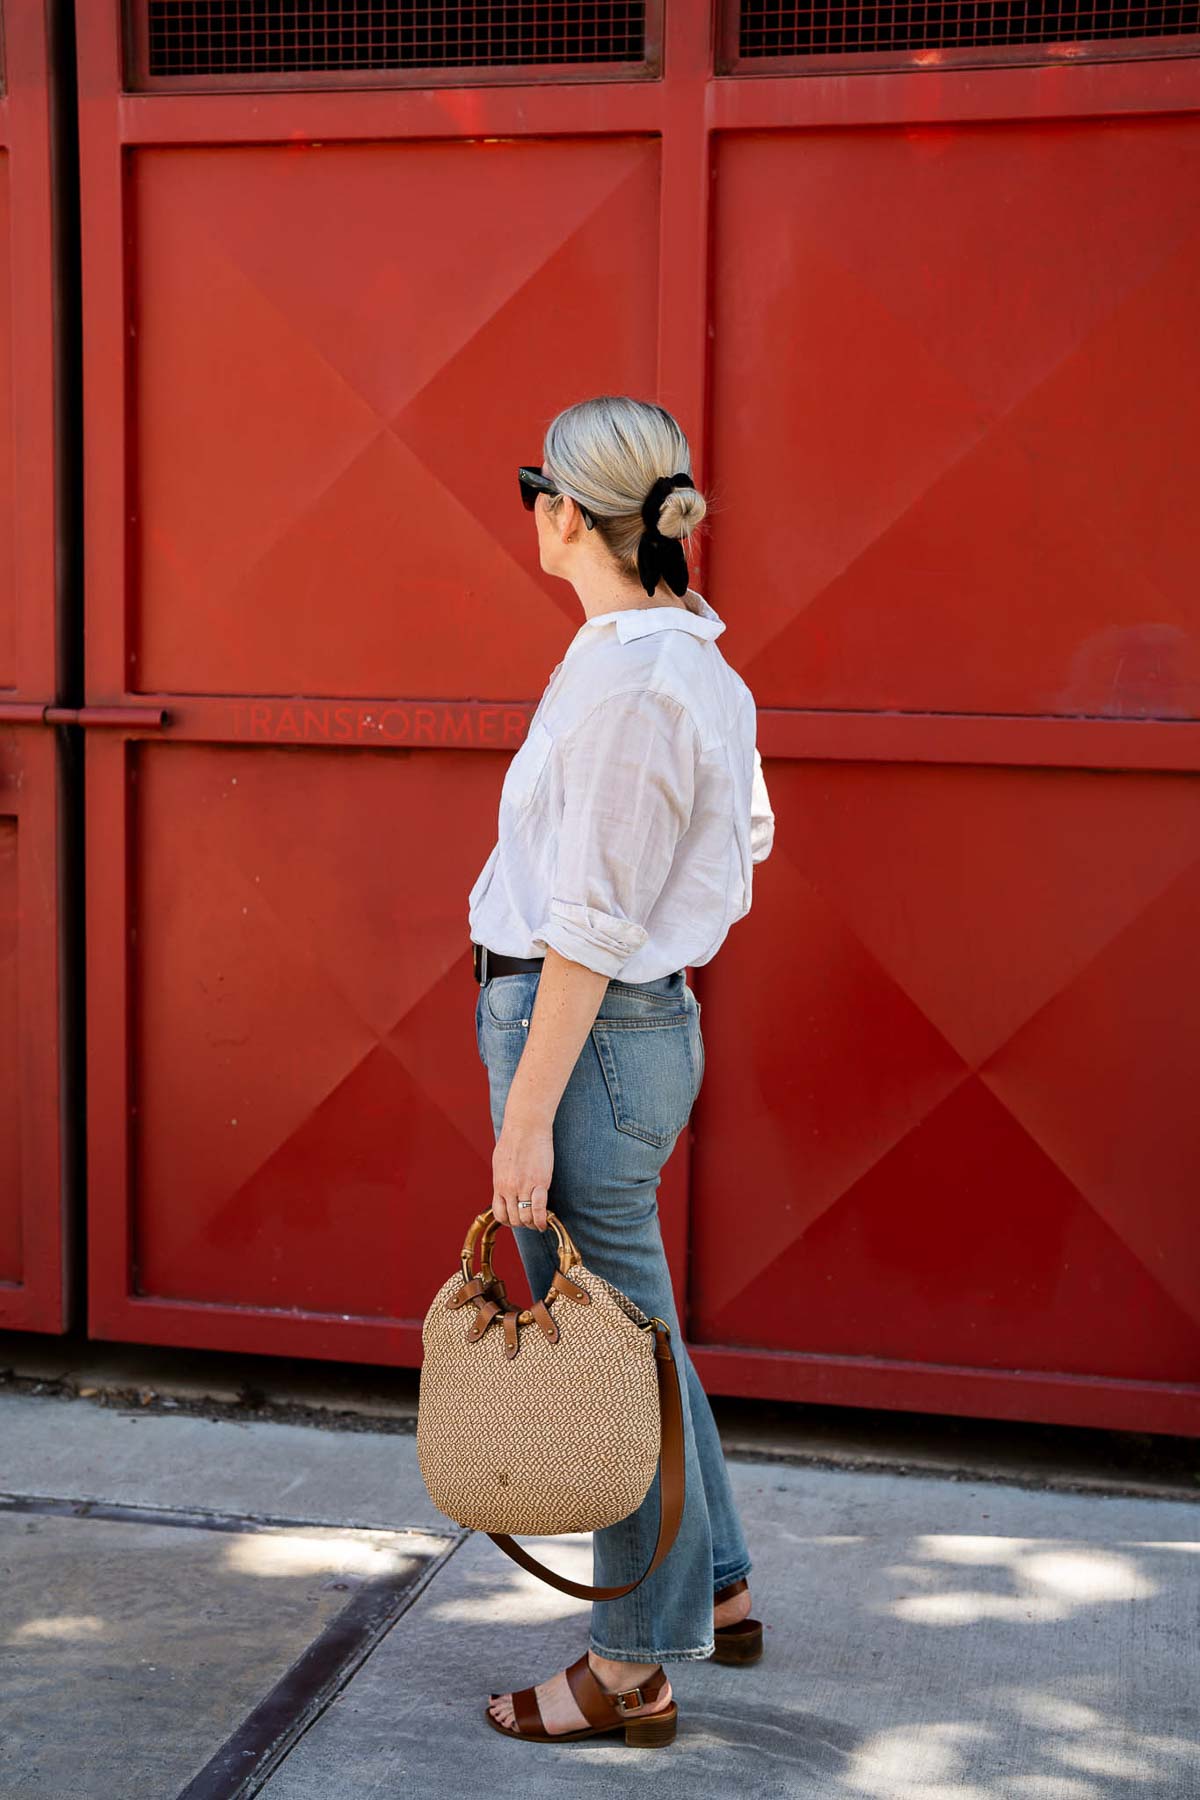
[{"x": 564, "y": 1437}]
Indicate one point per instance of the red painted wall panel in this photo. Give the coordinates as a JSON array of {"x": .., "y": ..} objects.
[
  {"x": 980, "y": 1150},
  {"x": 978, "y": 1145},
  {"x": 967, "y": 359},
  {"x": 342, "y": 352},
  {"x": 929, "y": 334},
  {"x": 34, "y": 1228},
  {"x": 302, "y": 1087}
]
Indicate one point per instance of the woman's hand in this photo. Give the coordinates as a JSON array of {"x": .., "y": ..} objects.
[{"x": 522, "y": 1165}]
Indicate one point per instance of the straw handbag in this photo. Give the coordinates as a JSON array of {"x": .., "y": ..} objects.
[{"x": 548, "y": 1419}]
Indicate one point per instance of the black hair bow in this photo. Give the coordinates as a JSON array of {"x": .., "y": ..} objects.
[{"x": 661, "y": 558}]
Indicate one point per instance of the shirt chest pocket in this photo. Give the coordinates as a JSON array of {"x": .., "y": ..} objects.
[{"x": 527, "y": 767}]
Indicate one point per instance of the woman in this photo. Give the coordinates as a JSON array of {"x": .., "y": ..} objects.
[{"x": 629, "y": 821}]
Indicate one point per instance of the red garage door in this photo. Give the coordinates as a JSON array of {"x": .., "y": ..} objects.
[{"x": 929, "y": 326}]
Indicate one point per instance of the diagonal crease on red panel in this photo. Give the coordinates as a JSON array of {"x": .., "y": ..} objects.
[
  {"x": 1062, "y": 518},
  {"x": 386, "y": 301},
  {"x": 945, "y": 575},
  {"x": 260, "y": 998},
  {"x": 1134, "y": 397},
  {"x": 258, "y": 371},
  {"x": 227, "y": 989},
  {"x": 1001, "y": 245},
  {"x": 334, "y": 1200},
  {"x": 863, "y": 1066},
  {"x": 965, "y": 1245},
  {"x": 374, "y": 486},
  {"x": 1043, "y": 921},
  {"x": 542, "y": 310},
  {"x": 1002, "y": 884},
  {"x": 511, "y": 322},
  {"x": 385, "y": 511},
  {"x": 834, "y": 349},
  {"x": 1104, "y": 1078},
  {"x": 1022, "y": 532}
]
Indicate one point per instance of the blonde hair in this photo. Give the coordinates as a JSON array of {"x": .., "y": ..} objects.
[{"x": 607, "y": 453}]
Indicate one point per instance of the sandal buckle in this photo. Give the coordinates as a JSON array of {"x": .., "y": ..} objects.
[{"x": 623, "y": 1701}]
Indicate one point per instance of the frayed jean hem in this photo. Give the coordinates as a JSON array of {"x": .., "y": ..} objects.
[{"x": 651, "y": 1656}]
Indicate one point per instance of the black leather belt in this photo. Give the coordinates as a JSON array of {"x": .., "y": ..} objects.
[
  {"x": 487, "y": 963},
  {"x": 490, "y": 962}
]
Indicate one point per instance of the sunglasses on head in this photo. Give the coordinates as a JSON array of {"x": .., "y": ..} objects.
[{"x": 533, "y": 483}]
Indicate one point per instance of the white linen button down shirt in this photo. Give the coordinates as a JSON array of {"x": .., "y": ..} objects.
[{"x": 633, "y": 812}]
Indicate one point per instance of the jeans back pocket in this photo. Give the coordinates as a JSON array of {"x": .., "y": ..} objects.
[{"x": 650, "y": 1072}]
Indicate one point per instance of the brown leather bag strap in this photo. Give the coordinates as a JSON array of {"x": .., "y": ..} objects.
[{"x": 671, "y": 1486}]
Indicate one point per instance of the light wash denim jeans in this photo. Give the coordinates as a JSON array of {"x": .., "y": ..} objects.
[{"x": 625, "y": 1103}]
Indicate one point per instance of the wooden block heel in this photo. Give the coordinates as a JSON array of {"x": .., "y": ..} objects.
[
  {"x": 654, "y": 1730},
  {"x": 741, "y": 1642}
]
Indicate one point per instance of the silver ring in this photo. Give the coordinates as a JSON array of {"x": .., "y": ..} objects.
[{"x": 523, "y": 1203}]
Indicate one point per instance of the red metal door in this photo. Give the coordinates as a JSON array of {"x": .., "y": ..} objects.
[
  {"x": 33, "y": 1235},
  {"x": 929, "y": 331},
  {"x": 968, "y": 360},
  {"x": 320, "y": 328}
]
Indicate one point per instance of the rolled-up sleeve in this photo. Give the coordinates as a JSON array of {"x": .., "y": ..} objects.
[
  {"x": 629, "y": 776},
  {"x": 762, "y": 819}
]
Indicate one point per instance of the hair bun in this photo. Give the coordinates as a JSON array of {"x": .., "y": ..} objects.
[{"x": 681, "y": 512}]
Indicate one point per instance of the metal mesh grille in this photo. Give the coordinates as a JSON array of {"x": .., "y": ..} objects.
[
  {"x": 775, "y": 28},
  {"x": 246, "y": 37}
]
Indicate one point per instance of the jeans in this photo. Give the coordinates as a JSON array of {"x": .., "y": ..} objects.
[{"x": 626, "y": 1101}]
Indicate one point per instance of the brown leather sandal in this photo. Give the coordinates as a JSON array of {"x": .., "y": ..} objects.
[
  {"x": 605, "y": 1711},
  {"x": 741, "y": 1642}
]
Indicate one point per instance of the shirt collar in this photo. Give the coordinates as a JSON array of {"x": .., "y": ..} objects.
[{"x": 638, "y": 621}]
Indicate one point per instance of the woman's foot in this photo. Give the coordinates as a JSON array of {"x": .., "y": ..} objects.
[
  {"x": 733, "y": 1610},
  {"x": 556, "y": 1702}
]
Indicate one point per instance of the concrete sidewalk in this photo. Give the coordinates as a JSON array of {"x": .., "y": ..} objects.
[{"x": 214, "y": 1608}]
